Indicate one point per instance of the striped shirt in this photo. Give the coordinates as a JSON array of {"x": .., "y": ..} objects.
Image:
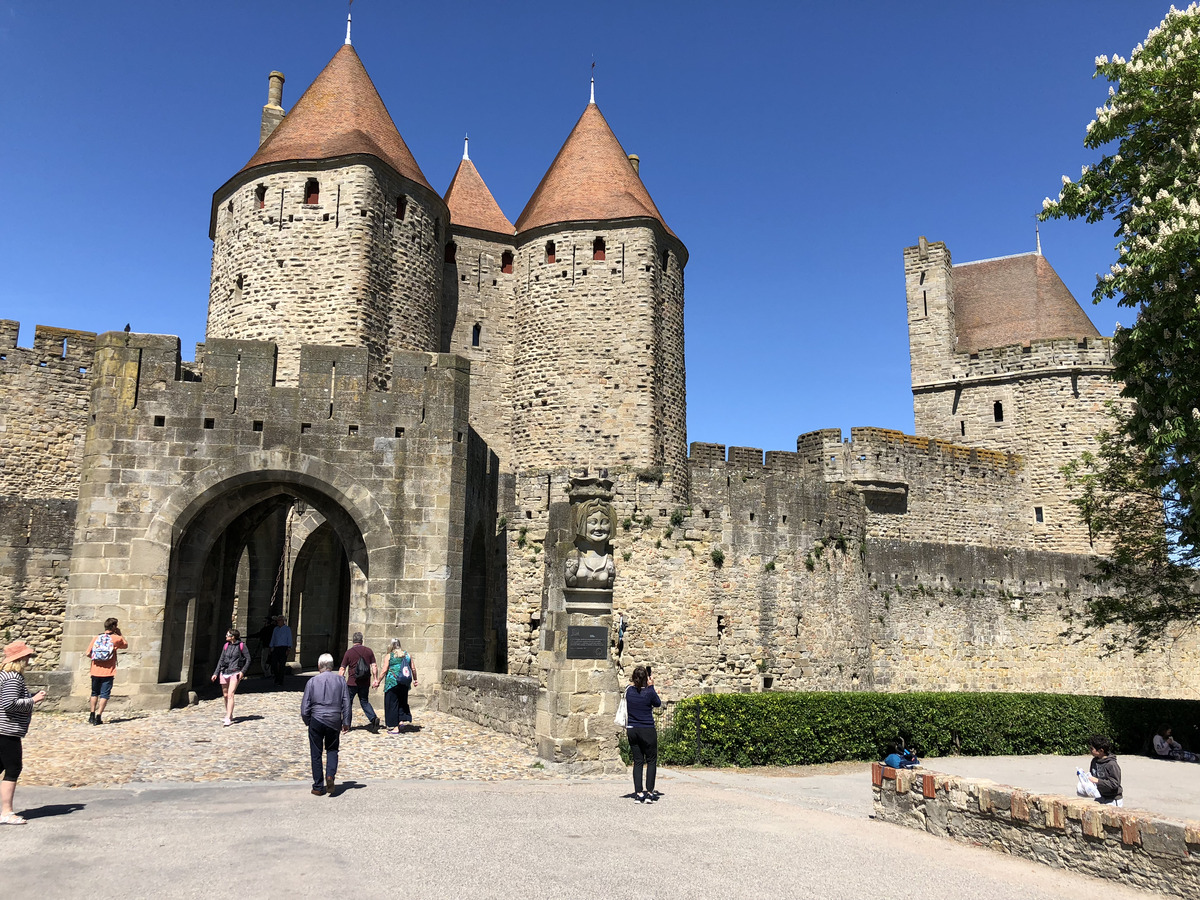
[{"x": 16, "y": 705}]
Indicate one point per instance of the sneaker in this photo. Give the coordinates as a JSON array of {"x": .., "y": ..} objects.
[
  {"x": 652, "y": 796},
  {"x": 640, "y": 798},
  {"x": 227, "y": 722}
]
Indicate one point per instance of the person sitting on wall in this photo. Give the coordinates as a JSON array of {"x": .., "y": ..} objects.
[
  {"x": 1166, "y": 747},
  {"x": 1105, "y": 772},
  {"x": 899, "y": 756}
]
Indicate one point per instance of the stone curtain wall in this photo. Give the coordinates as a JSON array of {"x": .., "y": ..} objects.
[
  {"x": 35, "y": 556},
  {"x": 921, "y": 489},
  {"x": 164, "y": 452},
  {"x": 43, "y": 410},
  {"x": 592, "y": 374},
  {"x": 344, "y": 271},
  {"x": 812, "y": 595},
  {"x": 503, "y": 703},
  {"x": 476, "y": 292},
  {"x": 1138, "y": 848},
  {"x": 43, "y": 416}
]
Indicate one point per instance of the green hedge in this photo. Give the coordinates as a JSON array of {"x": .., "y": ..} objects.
[{"x": 787, "y": 729}]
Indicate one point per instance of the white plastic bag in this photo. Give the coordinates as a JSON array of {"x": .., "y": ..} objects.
[{"x": 1085, "y": 788}]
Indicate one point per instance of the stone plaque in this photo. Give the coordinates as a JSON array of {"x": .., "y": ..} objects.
[{"x": 587, "y": 642}]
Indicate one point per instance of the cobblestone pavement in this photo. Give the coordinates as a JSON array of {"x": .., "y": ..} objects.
[{"x": 267, "y": 742}]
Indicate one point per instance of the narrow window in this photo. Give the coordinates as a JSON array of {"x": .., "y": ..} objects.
[
  {"x": 506, "y": 259},
  {"x": 549, "y": 251},
  {"x": 998, "y": 411},
  {"x": 598, "y": 249},
  {"x": 962, "y": 428},
  {"x": 451, "y": 252},
  {"x": 401, "y": 207},
  {"x": 666, "y": 259},
  {"x": 312, "y": 192},
  {"x": 475, "y": 332},
  {"x": 1037, "y": 514},
  {"x": 260, "y": 195}
]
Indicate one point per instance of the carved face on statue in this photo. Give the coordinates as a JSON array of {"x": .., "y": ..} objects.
[
  {"x": 594, "y": 522},
  {"x": 597, "y": 528}
]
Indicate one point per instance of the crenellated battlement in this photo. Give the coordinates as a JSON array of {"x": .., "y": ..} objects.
[
  {"x": 1056, "y": 356},
  {"x": 232, "y": 387}
]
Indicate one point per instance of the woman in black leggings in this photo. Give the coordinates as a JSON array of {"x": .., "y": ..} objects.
[{"x": 640, "y": 700}]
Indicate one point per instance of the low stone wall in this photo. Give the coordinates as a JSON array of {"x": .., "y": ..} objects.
[
  {"x": 503, "y": 703},
  {"x": 1132, "y": 846}
]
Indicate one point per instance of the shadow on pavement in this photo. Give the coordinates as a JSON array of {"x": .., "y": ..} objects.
[{"x": 52, "y": 809}]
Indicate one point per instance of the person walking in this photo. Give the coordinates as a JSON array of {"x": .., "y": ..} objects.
[
  {"x": 325, "y": 709},
  {"x": 281, "y": 645},
  {"x": 359, "y": 670},
  {"x": 16, "y": 709},
  {"x": 264, "y": 645},
  {"x": 103, "y": 654},
  {"x": 231, "y": 669},
  {"x": 640, "y": 700},
  {"x": 399, "y": 677}
]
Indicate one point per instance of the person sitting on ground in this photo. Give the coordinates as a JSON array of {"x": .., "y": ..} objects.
[
  {"x": 899, "y": 757},
  {"x": 1166, "y": 747},
  {"x": 1106, "y": 774}
]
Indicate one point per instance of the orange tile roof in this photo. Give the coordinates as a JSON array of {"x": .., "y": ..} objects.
[
  {"x": 1011, "y": 300},
  {"x": 472, "y": 204},
  {"x": 340, "y": 114},
  {"x": 591, "y": 178}
]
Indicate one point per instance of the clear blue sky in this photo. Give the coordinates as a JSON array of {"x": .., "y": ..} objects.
[{"x": 796, "y": 148}]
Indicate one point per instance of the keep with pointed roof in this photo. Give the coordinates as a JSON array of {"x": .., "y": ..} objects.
[
  {"x": 1011, "y": 300},
  {"x": 472, "y": 204},
  {"x": 340, "y": 114},
  {"x": 591, "y": 178}
]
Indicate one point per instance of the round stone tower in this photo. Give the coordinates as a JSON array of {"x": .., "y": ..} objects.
[
  {"x": 330, "y": 234},
  {"x": 599, "y": 364}
]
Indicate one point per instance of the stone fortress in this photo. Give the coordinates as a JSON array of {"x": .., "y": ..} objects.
[{"x": 414, "y": 418}]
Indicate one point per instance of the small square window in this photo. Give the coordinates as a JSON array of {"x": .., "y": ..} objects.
[
  {"x": 529, "y": 513},
  {"x": 258, "y": 425},
  {"x": 305, "y": 427},
  {"x": 160, "y": 421},
  {"x": 352, "y": 430},
  {"x": 399, "y": 432},
  {"x": 210, "y": 424}
]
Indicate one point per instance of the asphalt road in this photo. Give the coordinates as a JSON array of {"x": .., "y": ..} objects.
[{"x": 714, "y": 834}]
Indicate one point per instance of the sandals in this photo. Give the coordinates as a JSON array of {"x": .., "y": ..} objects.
[
  {"x": 393, "y": 731},
  {"x": 12, "y": 819}
]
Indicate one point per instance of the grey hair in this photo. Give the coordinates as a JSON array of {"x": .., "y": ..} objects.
[{"x": 325, "y": 662}]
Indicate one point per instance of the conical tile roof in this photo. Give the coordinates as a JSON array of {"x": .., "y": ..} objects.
[
  {"x": 591, "y": 178},
  {"x": 472, "y": 204},
  {"x": 1014, "y": 299},
  {"x": 340, "y": 114}
]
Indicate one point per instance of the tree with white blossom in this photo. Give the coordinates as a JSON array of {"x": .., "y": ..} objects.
[{"x": 1150, "y": 458}]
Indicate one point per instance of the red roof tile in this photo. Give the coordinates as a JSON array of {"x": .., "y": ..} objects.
[
  {"x": 340, "y": 114},
  {"x": 591, "y": 178},
  {"x": 472, "y": 204},
  {"x": 1011, "y": 300}
]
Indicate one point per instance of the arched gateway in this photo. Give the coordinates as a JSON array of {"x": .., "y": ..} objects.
[{"x": 212, "y": 497}]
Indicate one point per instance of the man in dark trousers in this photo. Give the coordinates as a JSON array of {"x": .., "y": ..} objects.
[
  {"x": 281, "y": 645},
  {"x": 360, "y": 685},
  {"x": 325, "y": 709}
]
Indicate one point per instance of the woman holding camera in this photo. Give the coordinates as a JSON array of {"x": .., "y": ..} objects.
[{"x": 640, "y": 700}]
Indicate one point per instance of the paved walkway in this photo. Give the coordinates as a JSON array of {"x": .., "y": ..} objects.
[
  {"x": 556, "y": 839},
  {"x": 267, "y": 742}
]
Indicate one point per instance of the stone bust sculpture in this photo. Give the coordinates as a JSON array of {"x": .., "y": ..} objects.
[{"x": 592, "y": 565}]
